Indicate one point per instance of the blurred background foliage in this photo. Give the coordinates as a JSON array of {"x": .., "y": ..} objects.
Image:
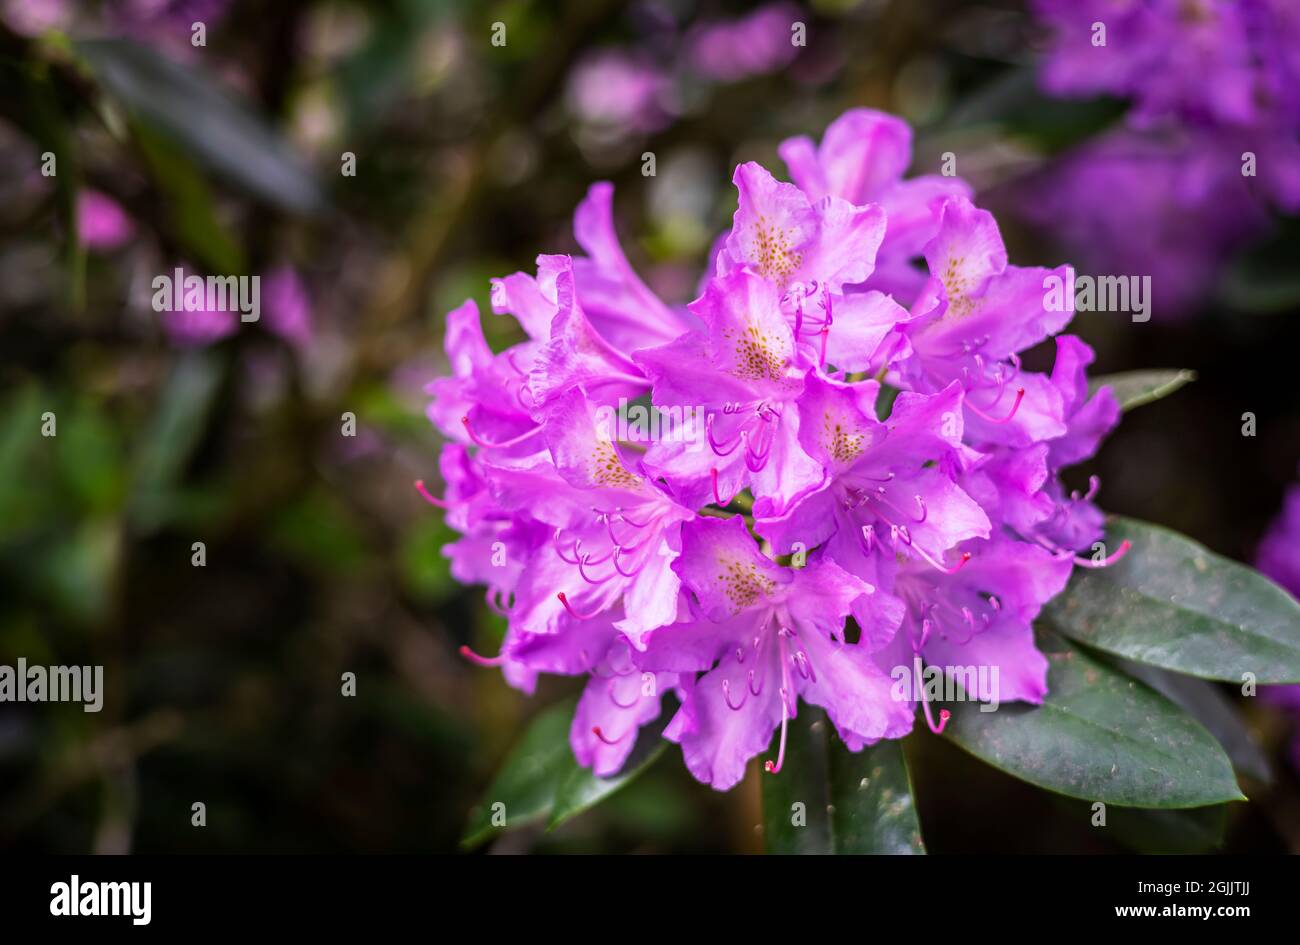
[{"x": 223, "y": 682}]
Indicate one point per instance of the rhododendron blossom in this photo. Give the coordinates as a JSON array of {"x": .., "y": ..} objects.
[{"x": 814, "y": 542}]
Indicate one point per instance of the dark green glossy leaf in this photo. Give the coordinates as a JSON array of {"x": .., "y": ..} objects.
[
  {"x": 1099, "y": 735},
  {"x": 1138, "y": 388},
  {"x": 223, "y": 133},
  {"x": 1179, "y": 832},
  {"x": 541, "y": 781},
  {"x": 827, "y": 799},
  {"x": 1182, "y": 831},
  {"x": 582, "y": 790},
  {"x": 523, "y": 791},
  {"x": 1204, "y": 702},
  {"x": 1172, "y": 603}
]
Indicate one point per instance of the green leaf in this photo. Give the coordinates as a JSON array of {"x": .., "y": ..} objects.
[
  {"x": 1099, "y": 735},
  {"x": 851, "y": 802},
  {"x": 542, "y": 781},
  {"x": 186, "y": 400},
  {"x": 1013, "y": 105},
  {"x": 189, "y": 205},
  {"x": 1264, "y": 279},
  {"x": 192, "y": 108},
  {"x": 1170, "y": 832},
  {"x": 1204, "y": 702},
  {"x": 885, "y": 401},
  {"x": 1182, "y": 831},
  {"x": 1172, "y": 603},
  {"x": 1139, "y": 388},
  {"x": 90, "y": 458},
  {"x": 20, "y": 424},
  {"x": 582, "y": 790}
]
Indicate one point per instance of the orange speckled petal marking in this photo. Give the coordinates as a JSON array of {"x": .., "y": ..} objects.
[
  {"x": 608, "y": 470},
  {"x": 770, "y": 252},
  {"x": 843, "y": 439},
  {"x": 756, "y": 355},
  {"x": 955, "y": 288},
  {"x": 742, "y": 582}
]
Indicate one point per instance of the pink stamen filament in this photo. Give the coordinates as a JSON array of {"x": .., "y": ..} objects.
[
  {"x": 487, "y": 661},
  {"x": 901, "y": 533},
  {"x": 1105, "y": 562},
  {"x": 756, "y": 455},
  {"x": 486, "y": 444},
  {"x": 635, "y": 699},
  {"x": 616, "y": 378},
  {"x": 753, "y": 460},
  {"x": 944, "y": 716},
  {"x": 510, "y": 359},
  {"x": 612, "y": 674},
  {"x": 721, "y": 449},
  {"x": 826, "y": 327},
  {"x": 595, "y": 730},
  {"x": 573, "y": 613},
  {"x": 965, "y": 556},
  {"x": 582, "y": 569},
  {"x": 493, "y": 600},
  {"x": 1020, "y": 395},
  {"x": 768, "y": 766},
  {"x": 784, "y": 694},
  {"x": 926, "y": 627},
  {"x": 429, "y": 497},
  {"x": 618, "y": 552},
  {"x": 1094, "y": 483}
]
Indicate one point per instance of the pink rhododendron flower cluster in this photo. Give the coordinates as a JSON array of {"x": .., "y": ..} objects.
[{"x": 799, "y": 541}]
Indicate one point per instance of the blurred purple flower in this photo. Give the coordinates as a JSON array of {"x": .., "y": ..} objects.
[
  {"x": 621, "y": 90},
  {"x": 1279, "y": 552},
  {"x": 1190, "y": 59},
  {"x": 1278, "y": 557},
  {"x": 1170, "y": 207},
  {"x": 284, "y": 304},
  {"x": 149, "y": 16},
  {"x": 754, "y": 44},
  {"x": 101, "y": 223},
  {"x": 33, "y": 17},
  {"x": 287, "y": 306},
  {"x": 195, "y": 328},
  {"x": 1213, "y": 85}
]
